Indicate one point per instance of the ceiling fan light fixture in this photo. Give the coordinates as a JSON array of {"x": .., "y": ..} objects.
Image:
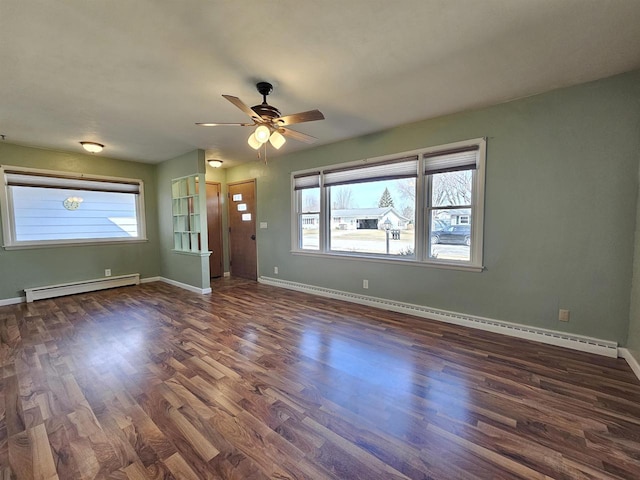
[
  {"x": 215, "y": 163},
  {"x": 92, "y": 147},
  {"x": 277, "y": 140},
  {"x": 253, "y": 142},
  {"x": 262, "y": 134}
]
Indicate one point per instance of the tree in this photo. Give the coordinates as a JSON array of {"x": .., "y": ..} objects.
[
  {"x": 341, "y": 197},
  {"x": 385, "y": 199},
  {"x": 407, "y": 188},
  {"x": 407, "y": 212},
  {"x": 311, "y": 203},
  {"x": 452, "y": 188}
]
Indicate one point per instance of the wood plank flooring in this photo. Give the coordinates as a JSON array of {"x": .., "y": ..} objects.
[{"x": 255, "y": 382}]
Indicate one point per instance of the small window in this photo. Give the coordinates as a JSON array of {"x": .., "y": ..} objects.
[{"x": 54, "y": 208}]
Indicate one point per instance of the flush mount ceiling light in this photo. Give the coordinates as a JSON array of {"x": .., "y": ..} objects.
[
  {"x": 92, "y": 147},
  {"x": 215, "y": 163},
  {"x": 72, "y": 203}
]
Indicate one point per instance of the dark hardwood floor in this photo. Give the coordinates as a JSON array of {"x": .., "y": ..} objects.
[{"x": 256, "y": 382}]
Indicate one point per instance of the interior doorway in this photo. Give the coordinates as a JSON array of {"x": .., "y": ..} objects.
[
  {"x": 242, "y": 229},
  {"x": 214, "y": 229}
]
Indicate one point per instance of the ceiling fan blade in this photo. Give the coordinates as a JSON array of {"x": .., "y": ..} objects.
[
  {"x": 302, "y": 137},
  {"x": 309, "y": 116},
  {"x": 224, "y": 124},
  {"x": 242, "y": 106}
]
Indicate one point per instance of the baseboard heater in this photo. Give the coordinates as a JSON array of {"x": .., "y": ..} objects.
[
  {"x": 551, "y": 337},
  {"x": 51, "y": 291}
]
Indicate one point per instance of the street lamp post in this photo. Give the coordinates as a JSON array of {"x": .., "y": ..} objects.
[{"x": 387, "y": 226}]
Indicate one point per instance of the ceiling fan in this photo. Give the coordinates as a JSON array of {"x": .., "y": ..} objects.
[{"x": 269, "y": 122}]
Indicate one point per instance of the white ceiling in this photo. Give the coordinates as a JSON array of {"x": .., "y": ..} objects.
[{"x": 136, "y": 75}]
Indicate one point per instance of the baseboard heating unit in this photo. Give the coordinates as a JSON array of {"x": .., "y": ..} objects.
[
  {"x": 51, "y": 291},
  {"x": 551, "y": 337}
]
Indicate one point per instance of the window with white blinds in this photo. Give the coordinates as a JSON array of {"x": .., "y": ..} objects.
[
  {"x": 424, "y": 206},
  {"x": 54, "y": 208}
]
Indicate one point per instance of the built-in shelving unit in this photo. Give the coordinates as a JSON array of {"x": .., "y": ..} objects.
[{"x": 186, "y": 214}]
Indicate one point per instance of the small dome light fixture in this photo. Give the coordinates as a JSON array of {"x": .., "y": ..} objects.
[
  {"x": 72, "y": 203},
  {"x": 215, "y": 163},
  {"x": 92, "y": 147}
]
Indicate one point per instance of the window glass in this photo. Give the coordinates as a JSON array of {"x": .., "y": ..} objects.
[
  {"x": 450, "y": 241},
  {"x": 41, "y": 214},
  {"x": 450, "y": 232},
  {"x": 374, "y": 217},
  {"x": 309, "y": 218}
]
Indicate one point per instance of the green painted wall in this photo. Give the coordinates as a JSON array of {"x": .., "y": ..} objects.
[
  {"x": 560, "y": 212},
  {"x": 25, "y": 268},
  {"x": 633, "y": 341},
  {"x": 182, "y": 267}
]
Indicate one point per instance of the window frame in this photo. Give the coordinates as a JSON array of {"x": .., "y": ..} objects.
[
  {"x": 422, "y": 245},
  {"x": 8, "y": 221}
]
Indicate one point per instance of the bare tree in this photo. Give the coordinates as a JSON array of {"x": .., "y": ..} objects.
[
  {"x": 408, "y": 211},
  {"x": 311, "y": 203},
  {"x": 342, "y": 197},
  {"x": 407, "y": 188},
  {"x": 452, "y": 188}
]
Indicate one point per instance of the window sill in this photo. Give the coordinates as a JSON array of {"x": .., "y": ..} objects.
[
  {"x": 393, "y": 261},
  {"x": 78, "y": 243}
]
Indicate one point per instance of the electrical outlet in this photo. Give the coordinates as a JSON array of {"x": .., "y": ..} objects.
[
  {"x": 275, "y": 270},
  {"x": 107, "y": 272},
  {"x": 365, "y": 283},
  {"x": 563, "y": 315}
]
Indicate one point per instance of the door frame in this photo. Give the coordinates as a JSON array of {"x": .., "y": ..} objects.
[{"x": 219, "y": 226}]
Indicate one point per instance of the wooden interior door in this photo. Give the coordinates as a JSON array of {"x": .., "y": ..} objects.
[
  {"x": 242, "y": 229},
  {"x": 214, "y": 229}
]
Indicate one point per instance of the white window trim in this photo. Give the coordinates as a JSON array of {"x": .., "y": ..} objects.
[
  {"x": 422, "y": 242},
  {"x": 8, "y": 221}
]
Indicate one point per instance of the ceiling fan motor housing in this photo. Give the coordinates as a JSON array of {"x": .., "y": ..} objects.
[{"x": 266, "y": 111}]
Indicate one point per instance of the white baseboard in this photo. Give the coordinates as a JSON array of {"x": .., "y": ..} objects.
[
  {"x": 226, "y": 274},
  {"x": 150, "y": 279},
  {"x": 633, "y": 362},
  {"x": 12, "y": 301},
  {"x": 191, "y": 288},
  {"x": 552, "y": 337}
]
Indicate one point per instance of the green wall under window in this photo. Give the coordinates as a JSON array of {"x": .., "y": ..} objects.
[
  {"x": 34, "y": 267},
  {"x": 561, "y": 187}
]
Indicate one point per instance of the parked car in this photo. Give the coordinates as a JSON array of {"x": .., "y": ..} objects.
[{"x": 454, "y": 234}]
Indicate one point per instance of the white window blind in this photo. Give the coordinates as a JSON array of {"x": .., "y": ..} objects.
[
  {"x": 306, "y": 180},
  {"x": 406, "y": 167},
  {"x": 27, "y": 179},
  {"x": 451, "y": 160}
]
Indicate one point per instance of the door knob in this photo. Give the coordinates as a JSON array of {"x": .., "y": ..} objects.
[{"x": 253, "y": 237}]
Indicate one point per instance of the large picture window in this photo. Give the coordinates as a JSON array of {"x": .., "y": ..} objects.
[
  {"x": 54, "y": 208},
  {"x": 424, "y": 206}
]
